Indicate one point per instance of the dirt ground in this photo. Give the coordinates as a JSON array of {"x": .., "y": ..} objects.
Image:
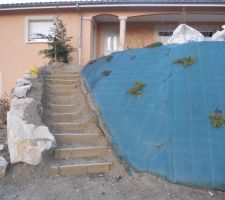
[{"x": 37, "y": 184}]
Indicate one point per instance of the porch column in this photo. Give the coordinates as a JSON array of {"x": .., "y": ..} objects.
[
  {"x": 123, "y": 20},
  {"x": 87, "y": 39}
]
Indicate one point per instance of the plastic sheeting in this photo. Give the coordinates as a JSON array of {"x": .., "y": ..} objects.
[
  {"x": 184, "y": 33},
  {"x": 219, "y": 35},
  {"x": 166, "y": 131}
]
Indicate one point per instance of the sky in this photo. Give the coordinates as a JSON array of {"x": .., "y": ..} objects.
[{"x": 29, "y": 1}]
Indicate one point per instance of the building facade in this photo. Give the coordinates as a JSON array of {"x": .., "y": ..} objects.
[{"x": 97, "y": 27}]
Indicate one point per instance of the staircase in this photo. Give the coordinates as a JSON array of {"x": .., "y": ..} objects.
[{"x": 81, "y": 148}]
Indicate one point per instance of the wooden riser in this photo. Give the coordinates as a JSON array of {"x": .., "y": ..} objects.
[
  {"x": 72, "y": 138},
  {"x": 64, "y": 108},
  {"x": 61, "y": 82},
  {"x": 54, "y": 87},
  {"x": 64, "y": 73},
  {"x": 63, "y": 93},
  {"x": 62, "y": 100},
  {"x": 94, "y": 168},
  {"x": 62, "y": 77},
  {"x": 70, "y": 127},
  {"x": 64, "y": 117},
  {"x": 80, "y": 152}
]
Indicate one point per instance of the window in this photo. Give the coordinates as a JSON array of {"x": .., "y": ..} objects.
[
  {"x": 165, "y": 32},
  {"x": 38, "y": 28}
]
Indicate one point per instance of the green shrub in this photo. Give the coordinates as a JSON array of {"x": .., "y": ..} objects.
[
  {"x": 59, "y": 48},
  {"x": 136, "y": 90},
  {"x": 185, "y": 62},
  {"x": 106, "y": 72},
  {"x": 154, "y": 45},
  {"x": 217, "y": 119}
]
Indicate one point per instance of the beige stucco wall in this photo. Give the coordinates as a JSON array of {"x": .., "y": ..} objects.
[
  {"x": 16, "y": 56},
  {"x": 140, "y": 34}
]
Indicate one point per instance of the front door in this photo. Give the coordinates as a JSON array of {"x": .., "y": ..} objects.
[{"x": 111, "y": 40}]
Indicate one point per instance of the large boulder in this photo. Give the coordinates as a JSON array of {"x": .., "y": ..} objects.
[{"x": 27, "y": 142}]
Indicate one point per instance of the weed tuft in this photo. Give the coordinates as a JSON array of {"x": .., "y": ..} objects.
[
  {"x": 217, "y": 118},
  {"x": 136, "y": 90},
  {"x": 106, "y": 72},
  {"x": 155, "y": 45},
  {"x": 185, "y": 62}
]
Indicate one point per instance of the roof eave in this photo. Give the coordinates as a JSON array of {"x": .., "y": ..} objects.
[{"x": 104, "y": 5}]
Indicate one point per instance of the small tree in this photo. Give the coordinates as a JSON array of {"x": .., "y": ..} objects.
[{"x": 59, "y": 47}]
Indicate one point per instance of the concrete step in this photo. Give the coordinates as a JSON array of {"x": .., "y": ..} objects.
[
  {"x": 76, "y": 169},
  {"x": 64, "y": 108},
  {"x": 64, "y": 117},
  {"x": 62, "y": 93},
  {"x": 90, "y": 127},
  {"x": 61, "y": 82},
  {"x": 54, "y": 87},
  {"x": 70, "y": 138},
  {"x": 70, "y": 127},
  {"x": 63, "y": 77},
  {"x": 81, "y": 152},
  {"x": 57, "y": 99},
  {"x": 64, "y": 72}
]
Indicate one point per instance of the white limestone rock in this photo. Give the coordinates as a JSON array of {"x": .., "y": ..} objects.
[
  {"x": 21, "y": 92},
  {"x": 22, "y": 82},
  {"x": 18, "y": 105},
  {"x": 1, "y": 147},
  {"x": 3, "y": 166},
  {"x": 27, "y": 142}
]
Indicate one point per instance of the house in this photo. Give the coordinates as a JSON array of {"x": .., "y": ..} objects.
[{"x": 98, "y": 27}]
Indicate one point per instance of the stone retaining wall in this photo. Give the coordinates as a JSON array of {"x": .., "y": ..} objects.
[{"x": 28, "y": 137}]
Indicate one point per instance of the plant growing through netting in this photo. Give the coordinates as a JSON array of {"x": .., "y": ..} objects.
[
  {"x": 136, "y": 90},
  {"x": 132, "y": 57},
  {"x": 108, "y": 58},
  {"x": 217, "y": 118},
  {"x": 59, "y": 48},
  {"x": 91, "y": 62},
  {"x": 106, "y": 72},
  {"x": 154, "y": 45},
  {"x": 186, "y": 61}
]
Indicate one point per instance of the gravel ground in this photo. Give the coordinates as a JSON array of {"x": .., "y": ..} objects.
[{"x": 34, "y": 183}]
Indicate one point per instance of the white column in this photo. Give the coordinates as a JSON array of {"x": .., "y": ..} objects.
[
  {"x": 87, "y": 39},
  {"x": 123, "y": 20}
]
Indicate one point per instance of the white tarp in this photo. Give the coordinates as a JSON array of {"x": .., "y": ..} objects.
[
  {"x": 219, "y": 35},
  {"x": 184, "y": 33}
]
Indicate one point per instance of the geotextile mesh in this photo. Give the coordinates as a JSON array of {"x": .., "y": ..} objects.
[{"x": 165, "y": 131}]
